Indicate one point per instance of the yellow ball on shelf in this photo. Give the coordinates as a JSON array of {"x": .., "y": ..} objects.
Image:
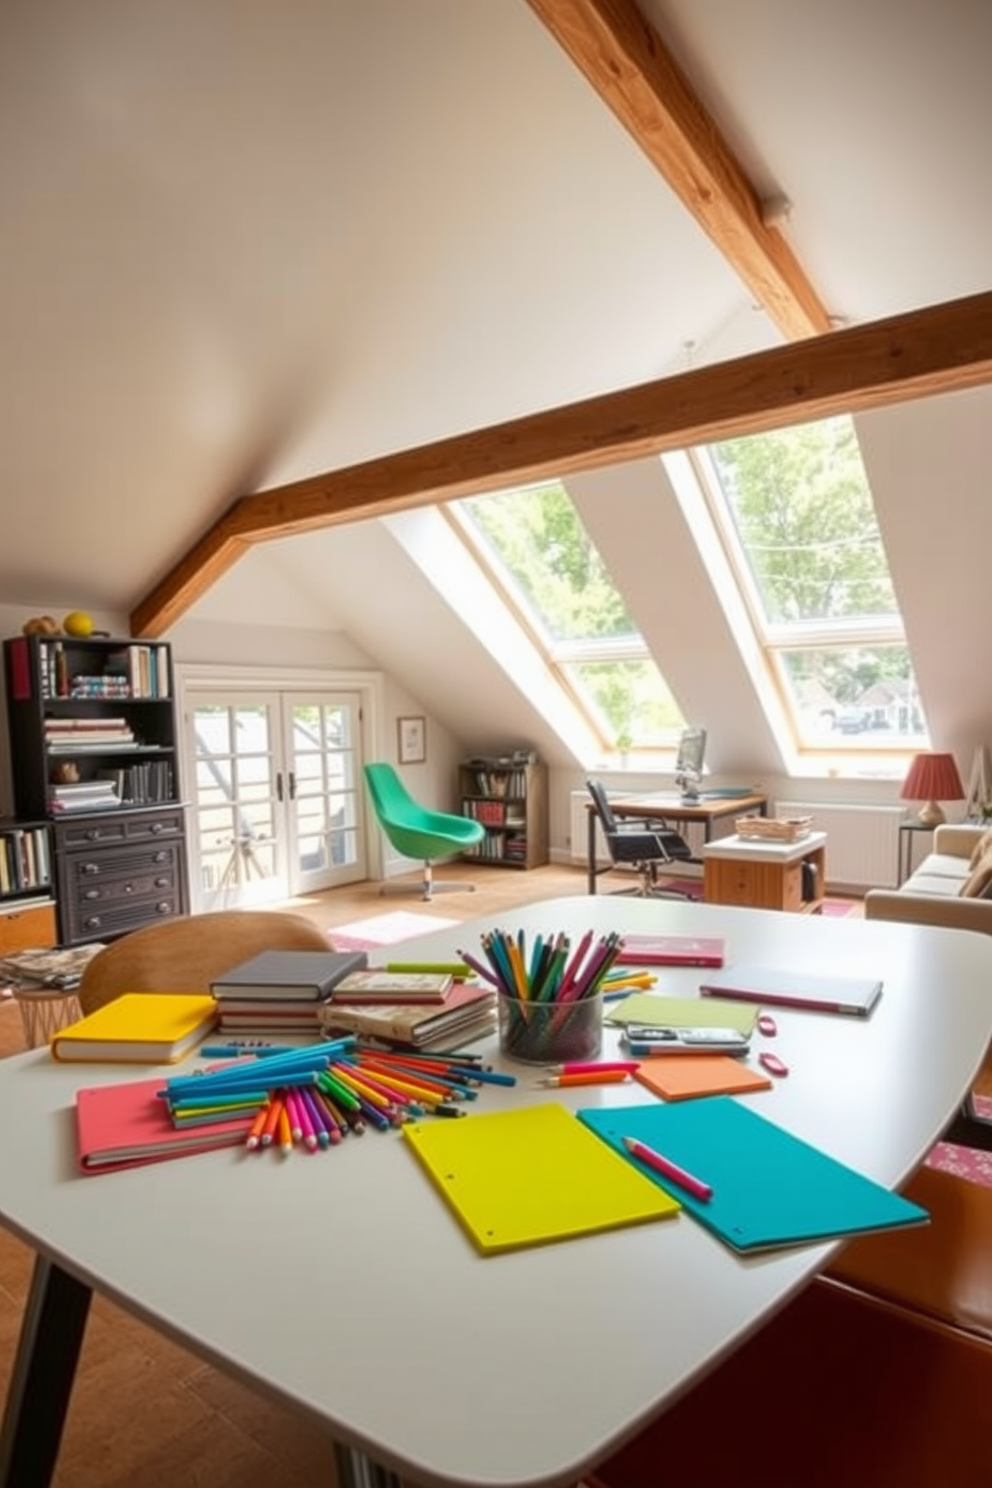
[{"x": 78, "y": 623}]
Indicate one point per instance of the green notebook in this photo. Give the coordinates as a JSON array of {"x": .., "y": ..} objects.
[
  {"x": 532, "y": 1175},
  {"x": 770, "y": 1188},
  {"x": 683, "y": 1012}
]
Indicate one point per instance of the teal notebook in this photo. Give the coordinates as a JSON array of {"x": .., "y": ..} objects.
[{"x": 769, "y": 1188}]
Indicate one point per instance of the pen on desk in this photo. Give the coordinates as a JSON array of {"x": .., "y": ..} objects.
[
  {"x": 589, "y": 1067},
  {"x": 240, "y": 1051},
  {"x": 459, "y": 969},
  {"x": 591, "y": 1077},
  {"x": 668, "y": 1169}
]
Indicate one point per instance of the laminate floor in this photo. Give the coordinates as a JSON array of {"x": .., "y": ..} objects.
[{"x": 145, "y": 1412}]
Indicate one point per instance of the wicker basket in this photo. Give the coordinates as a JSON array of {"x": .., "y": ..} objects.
[{"x": 773, "y": 829}]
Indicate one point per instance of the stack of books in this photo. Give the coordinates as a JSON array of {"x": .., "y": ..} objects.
[
  {"x": 87, "y": 795},
  {"x": 75, "y": 735},
  {"x": 426, "y": 1010},
  {"x": 281, "y": 991}
]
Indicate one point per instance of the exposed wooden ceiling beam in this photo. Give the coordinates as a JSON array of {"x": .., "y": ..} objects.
[
  {"x": 935, "y": 350},
  {"x": 635, "y": 75}
]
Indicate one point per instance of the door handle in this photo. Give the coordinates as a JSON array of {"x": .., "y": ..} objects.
[
  {"x": 292, "y": 786},
  {"x": 279, "y": 785}
]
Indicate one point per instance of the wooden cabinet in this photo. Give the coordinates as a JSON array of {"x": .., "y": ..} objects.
[
  {"x": 766, "y": 875},
  {"x": 93, "y": 743},
  {"x": 117, "y": 873},
  {"x": 509, "y": 796}
]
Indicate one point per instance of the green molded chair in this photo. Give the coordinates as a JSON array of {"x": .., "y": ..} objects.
[{"x": 418, "y": 833}]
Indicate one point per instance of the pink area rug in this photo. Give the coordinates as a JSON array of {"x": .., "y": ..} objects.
[
  {"x": 385, "y": 929},
  {"x": 965, "y": 1162}
]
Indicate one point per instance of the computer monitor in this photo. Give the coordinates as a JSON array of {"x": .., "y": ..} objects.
[{"x": 689, "y": 761}]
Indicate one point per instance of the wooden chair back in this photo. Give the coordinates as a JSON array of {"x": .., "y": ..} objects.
[{"x": 186, "y": 955}]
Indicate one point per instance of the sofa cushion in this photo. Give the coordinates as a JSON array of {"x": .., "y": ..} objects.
[
  {"x": 982, "y": 846},
  {"x": 945, "y": 865},
  {"x": 979, "y": 879},
  {"x": 934, "y": 884}
]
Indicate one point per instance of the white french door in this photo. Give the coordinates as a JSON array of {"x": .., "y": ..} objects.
[{"x": 277, "y": 804}]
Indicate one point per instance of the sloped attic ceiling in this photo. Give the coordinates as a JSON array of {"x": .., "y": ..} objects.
[{"x": 250, "y": 244}]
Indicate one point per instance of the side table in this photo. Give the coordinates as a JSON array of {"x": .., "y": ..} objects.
[
  {"x": 906, "y": 830},
  {"x": 765, "y": 874},
  {"x": 44, "y": 1011}
]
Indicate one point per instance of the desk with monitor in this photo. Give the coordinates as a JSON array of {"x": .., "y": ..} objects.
[{"x": 341, "y": 1284}]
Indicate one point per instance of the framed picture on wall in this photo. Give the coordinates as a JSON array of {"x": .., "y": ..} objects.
[{"x": 412, "y": 740}]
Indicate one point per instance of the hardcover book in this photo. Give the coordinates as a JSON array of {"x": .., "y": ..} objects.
[
  {"x": 801, "y": 989},
  {"x": 375, "y": 984},
  {"x": 139, "y": 1027},
  {"x": 671, "y": 950},
  {"x": 416, "y": 1024},
  {"x": 300, "y": 976}
]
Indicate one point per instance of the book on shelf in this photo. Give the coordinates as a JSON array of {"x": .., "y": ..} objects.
[
  {"x": 671, "y": 950},
  {"x": 139, "y": 1027},
  {"x": 468, "y": 1006},
  {"x": 126, "y": 1123},
  {"x": 376, "y": 984},
  {"x": 301, "y": 976}
]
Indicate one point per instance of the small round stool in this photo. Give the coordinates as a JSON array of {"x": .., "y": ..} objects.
[{"x": 44, "y": 1011}]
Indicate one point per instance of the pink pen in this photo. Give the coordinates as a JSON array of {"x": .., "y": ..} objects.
[
  {"x": 594, "y": 1067},
  {"x": 668, "y": 1169}
]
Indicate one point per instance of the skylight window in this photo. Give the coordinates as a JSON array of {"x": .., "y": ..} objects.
[
  {"x": 539, "y": 552},
  {"x": 797, "y": 518}
]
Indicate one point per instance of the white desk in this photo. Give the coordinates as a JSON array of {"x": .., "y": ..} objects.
[{"x": 341, "y": 1283}]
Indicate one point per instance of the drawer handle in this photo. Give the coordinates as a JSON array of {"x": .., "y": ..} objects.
[
  {"x": 91, "y": 868},
  {"x": 161, "y": 883},
  {"x": 160, "y": 857},
  {"x": 93, "y": 834},
  {"x": 163, "y": 907},
  {"x": 92, "y": 894},
  {"x": 129, "y": 888},
  {"x": 157, "y": 827},
  {"x": 94, "y": 922}
]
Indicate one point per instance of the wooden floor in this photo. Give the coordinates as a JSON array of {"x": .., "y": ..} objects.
[{"x": 147, "y": 1414}]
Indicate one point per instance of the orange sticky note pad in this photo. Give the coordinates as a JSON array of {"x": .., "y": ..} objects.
[{"x": 680, "y": 1076}]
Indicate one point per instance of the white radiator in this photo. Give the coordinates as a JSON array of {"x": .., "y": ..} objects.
[{"x": 862, "y": 841}]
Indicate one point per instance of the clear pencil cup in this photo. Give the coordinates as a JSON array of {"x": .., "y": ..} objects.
[{"x": 550, "y": 1032}]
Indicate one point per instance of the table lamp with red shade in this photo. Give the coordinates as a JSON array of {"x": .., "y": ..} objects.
[{"x": 932, "y": 778}]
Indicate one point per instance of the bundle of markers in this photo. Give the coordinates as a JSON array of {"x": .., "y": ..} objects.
[
  {"x": 316, "y": 1095},
  {"x": 550, "y": 996}
]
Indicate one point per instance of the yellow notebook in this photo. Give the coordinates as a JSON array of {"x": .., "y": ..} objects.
[
  {"x": 140, "y": 1028},
  {"x": 533, "y": 1175}
]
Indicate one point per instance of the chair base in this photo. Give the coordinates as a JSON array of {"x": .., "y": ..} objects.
[{"x": 429, "y": 886}]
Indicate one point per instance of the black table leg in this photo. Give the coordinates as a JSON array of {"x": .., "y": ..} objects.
[
  {"x": 44, "y": 1369},
  {"x": 355, "y": 1470}
]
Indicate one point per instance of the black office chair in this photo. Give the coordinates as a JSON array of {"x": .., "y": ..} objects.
[{"x": 645, "y": 846}]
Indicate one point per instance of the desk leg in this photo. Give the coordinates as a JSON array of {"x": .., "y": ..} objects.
[
  {"x": 44, "y": 1368},
  {"x": 354, "y": 1470},
  {"x": 590, "y": 852}
]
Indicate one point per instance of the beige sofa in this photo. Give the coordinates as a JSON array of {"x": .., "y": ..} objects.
[{"x": 934, "y": 894}]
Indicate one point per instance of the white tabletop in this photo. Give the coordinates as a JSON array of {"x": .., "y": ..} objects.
[{"x": 341, "y": 1282}]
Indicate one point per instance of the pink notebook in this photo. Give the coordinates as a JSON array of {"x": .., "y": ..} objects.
[
  {"x": 671, "y": 950},
  {"x": 118, "y": 1126}
]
